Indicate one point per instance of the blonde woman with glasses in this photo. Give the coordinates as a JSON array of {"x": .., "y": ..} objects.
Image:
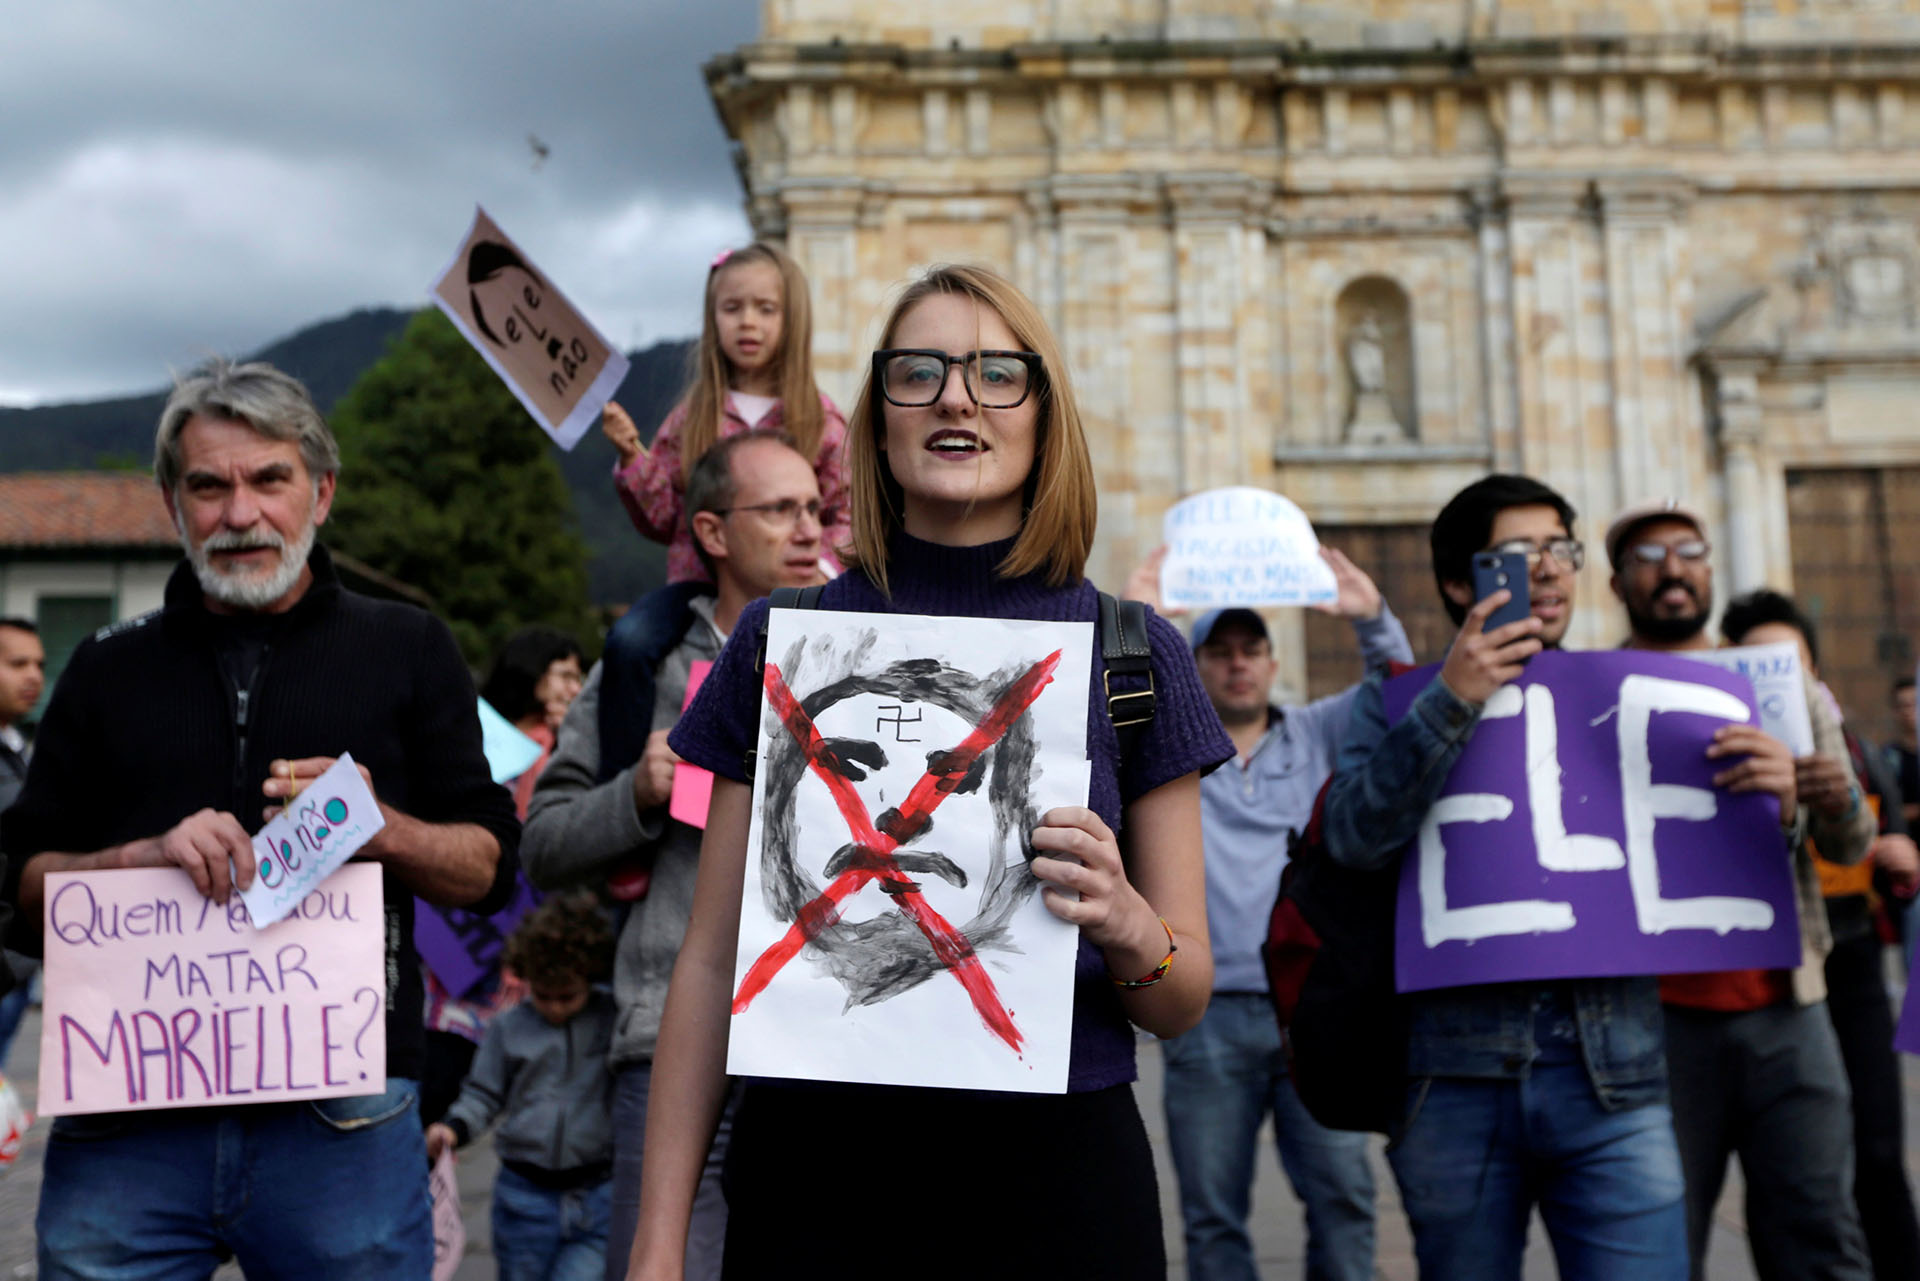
[{"x": 972, "y": 495}]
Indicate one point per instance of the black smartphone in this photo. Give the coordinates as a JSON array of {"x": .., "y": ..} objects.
[{"x": 1495, "y": 570}]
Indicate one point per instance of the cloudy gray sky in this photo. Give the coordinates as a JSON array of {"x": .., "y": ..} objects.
[{"x": 205, "y": 176}]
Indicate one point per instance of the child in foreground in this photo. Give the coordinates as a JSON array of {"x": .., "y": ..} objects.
[{"x": 542, "y": 1073}]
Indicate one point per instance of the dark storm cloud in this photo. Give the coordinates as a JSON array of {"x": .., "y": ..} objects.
[{"x": 185, "y": 178}]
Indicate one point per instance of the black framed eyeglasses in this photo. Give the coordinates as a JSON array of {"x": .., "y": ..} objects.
[
  {"x": 1569, "y": 552},
  {"x": 913, "y": 377},
  {"x": 1652, "y": 553},
  {"x": 785, "y": 512}
]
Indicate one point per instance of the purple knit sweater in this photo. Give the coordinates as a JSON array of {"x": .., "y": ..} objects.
[{"x": 927, "y": 578}]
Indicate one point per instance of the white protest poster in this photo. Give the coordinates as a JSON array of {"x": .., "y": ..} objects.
[
  {"x": 1241, "y": 546},
  {"x": 158, "y": 997},
  {"x": 549, "y": 354},
  {"x": 1779, "y": 688},
  {"x": 890, "y": 929},
  {"x": 318, "y": 831}
]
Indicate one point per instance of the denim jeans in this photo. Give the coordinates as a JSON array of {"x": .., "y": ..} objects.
[
  {"x": 540, "y": 1234},
  {"x": 1223, "y": 1078},
  {"x": 13, "y": 1006},
  {"x": 1477, "y": 1155},
  {"x": 328, "y": 1190},
  {"x": 707, "y": 1232}
]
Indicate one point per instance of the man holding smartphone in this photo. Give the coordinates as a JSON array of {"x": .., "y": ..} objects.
[{"x": 1518, "y": 1094}]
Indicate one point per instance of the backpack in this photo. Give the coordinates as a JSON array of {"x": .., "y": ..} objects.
[
  {"x": 1126, "y": 651},
  {"x": 1329, "y": 962}
]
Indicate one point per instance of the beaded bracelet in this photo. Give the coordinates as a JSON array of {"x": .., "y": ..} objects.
[{"x": 1159, "y": 971}]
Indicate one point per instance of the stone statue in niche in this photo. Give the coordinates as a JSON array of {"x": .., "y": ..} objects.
[
  {"x": 1868, "y": 258},
  {"x": 1371, "y": 421}
]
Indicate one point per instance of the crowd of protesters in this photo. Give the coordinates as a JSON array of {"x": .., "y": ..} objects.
[{"x": 588, "y": 1027}]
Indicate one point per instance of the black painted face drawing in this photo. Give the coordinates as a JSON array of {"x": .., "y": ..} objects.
[{"x": 885, "y": 725}]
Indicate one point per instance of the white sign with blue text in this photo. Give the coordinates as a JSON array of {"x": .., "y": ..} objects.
[
  {"x": 1241, "y": 546},
  {"x": 1779, "y": 688},
  {"x": 320, "y": 829}
]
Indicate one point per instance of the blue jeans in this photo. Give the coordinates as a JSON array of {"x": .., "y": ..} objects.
[
  {"x": 329, "y": 1190},
  {"x": 1477, "y": 1155},
  {"x": 540, "y": 1234},
  {"x": 13, "y": 1006},
  {"x": 707, "y": 1231},
  {"x": 1223, "y": 1078}
]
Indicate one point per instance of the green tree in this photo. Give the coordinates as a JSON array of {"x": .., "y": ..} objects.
[{"x": 447, "y": 484}]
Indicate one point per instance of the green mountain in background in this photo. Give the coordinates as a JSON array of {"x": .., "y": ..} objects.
[{"x": 330, "y": 357}]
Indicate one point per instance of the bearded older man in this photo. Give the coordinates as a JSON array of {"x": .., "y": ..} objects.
[{"x": 166, "y": 740}]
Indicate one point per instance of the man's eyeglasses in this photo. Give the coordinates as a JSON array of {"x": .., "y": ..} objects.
[
  {"x": 784, "y": 512},
  {"x": 1569, "y": 552},
  {"x": 913, "y": 378},
  {"x": 1651, "y": 553}
]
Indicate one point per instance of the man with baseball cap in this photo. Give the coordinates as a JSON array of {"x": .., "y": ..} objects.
[
  {"x": 1754, "y": 1065},
  {"x": 1229, "y": 1072}
]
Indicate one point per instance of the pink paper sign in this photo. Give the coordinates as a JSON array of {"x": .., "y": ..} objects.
[
  {"x": 692, "y": 786},
  {"x": 159, "y": 998},
  {"x": 449, "y": 1231}
]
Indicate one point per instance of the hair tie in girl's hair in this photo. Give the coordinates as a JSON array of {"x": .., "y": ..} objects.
[{"x": 718, "y": 259}]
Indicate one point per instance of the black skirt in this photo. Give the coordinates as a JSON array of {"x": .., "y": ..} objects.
[{"x": 857, "y": 1181}]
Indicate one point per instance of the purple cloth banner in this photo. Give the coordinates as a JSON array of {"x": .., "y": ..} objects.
[
  {"x": 1580, "y": 835},
  {"x": 1907, "y": 1035},
  {"x": 461, "y": 948}
]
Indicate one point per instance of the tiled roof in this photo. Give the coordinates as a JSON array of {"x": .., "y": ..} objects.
[{"x": 83, "y": 509}]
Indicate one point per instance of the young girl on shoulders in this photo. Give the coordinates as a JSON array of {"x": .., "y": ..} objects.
[{"x": 753, "y": 368}]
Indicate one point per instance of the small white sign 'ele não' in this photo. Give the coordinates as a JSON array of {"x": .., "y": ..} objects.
[
  {"x": 1241, "y": 546},
  {"x": 321, "y": 828}
]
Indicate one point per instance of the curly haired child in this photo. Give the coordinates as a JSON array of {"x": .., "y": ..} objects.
[{"x": 541, "y": 1072}]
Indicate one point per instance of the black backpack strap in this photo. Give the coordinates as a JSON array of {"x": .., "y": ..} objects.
[
  {"x": 780, "y": 598},
  {"x": 1126, "y": 651}
]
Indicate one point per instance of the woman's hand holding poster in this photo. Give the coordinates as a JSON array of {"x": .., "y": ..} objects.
[{"x": 1579, "y": 833}]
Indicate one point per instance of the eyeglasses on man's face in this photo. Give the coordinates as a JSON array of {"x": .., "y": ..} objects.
[
  {"x": 1568, "y": 552},
  {"x": 1692, "y": 550},
  {"x": 913, "y": 378},
  {"x": 785, "y": 512}
]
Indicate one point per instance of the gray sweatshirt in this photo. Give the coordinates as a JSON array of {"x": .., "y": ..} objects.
[
  {"x": 548, "y": 1086},
  {"x": 578, "y": 830}
]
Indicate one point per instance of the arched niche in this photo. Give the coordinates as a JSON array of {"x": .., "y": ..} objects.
[{"x": 1373, "y": 335}]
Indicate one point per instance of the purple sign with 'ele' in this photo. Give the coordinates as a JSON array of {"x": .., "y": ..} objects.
[
  {"x": 1579, "y": 833},
  {"x": 461, "y": 948}
]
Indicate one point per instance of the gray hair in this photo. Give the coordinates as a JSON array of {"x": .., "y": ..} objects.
[{"x": 273, "y": 403}]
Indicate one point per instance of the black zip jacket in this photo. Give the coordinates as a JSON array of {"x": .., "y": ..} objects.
[{"x": 145, "y": 728}]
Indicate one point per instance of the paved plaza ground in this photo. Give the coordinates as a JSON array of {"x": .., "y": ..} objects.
[{"x": 1277, "y": 1226}]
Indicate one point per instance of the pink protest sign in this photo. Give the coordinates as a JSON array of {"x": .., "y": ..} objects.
[
  {"x": 449, "y": 1232},
  {"x": 159, "y": 998},
  {"x": 692, "y": 786}
]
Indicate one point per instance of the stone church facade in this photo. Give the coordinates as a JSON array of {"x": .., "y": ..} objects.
[{"x": 1362, "y": 253}]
